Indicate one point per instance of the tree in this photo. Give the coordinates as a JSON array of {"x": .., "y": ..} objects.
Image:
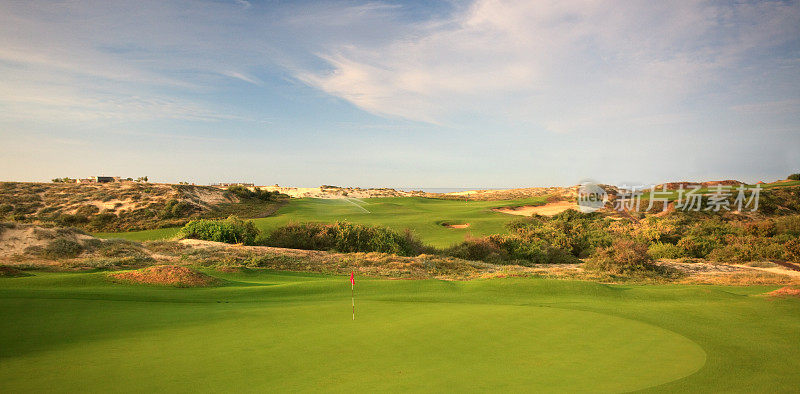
[{"x": 795, "y": 177}]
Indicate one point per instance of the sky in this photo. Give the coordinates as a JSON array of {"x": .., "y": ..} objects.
[{"x": 400, "y": 94}]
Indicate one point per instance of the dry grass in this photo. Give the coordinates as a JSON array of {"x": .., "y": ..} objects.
[
  {"x": 786, "y": 291},
  {"x": 742, "y": 278},
  {"x": 166, "y": 275}
]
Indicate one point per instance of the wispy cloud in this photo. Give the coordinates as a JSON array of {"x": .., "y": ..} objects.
[{"x": 559, "y": 65}]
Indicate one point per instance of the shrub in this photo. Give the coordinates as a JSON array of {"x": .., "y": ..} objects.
[
  {"x": 666, "y": 251},
  {"x": 230, "y": 230},
  {"x": 67, "y": 220},
  {"x": 176, "y": 209},
  {"x": 87, "y": 210},
  {"x": 62, "y": 248},
  {"x": 761, "y": 228},
  {"x": 482, "y": 249},
  {"x": 345, "y": 237},
  {"x": 794, "y": 177},
  {"x": 572, "y": 232},
  {"x": 243, "y": 192},
  {"x": 698, "y": 247},
  {"x": 788, "y": 225},
  {"x": 6, "y": 209},
  {"x": 102, "y": 220},
  {"x": 622, "y": 257},
  {"x": 792, "y": 252},
  {"x": 747, "y": 248}
]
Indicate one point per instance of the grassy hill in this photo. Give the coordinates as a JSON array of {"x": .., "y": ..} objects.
[{"x": 272, "y": 331}]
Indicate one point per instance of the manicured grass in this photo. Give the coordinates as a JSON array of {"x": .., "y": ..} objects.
[
  {"x": 424, "y": 216},
  {"x": 271, "y": 331}
]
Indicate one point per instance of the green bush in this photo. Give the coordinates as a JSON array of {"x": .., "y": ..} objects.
[
  {"x": 87, "y": 210},
  {"x": 230, "y": 230},
  {"x": 482, "y": 249},
  {"x": 176, "y": 209},
  {"x": 62, "y": 248},
  {"x": 761, "y": 228},
  {"x": 698, "y": 246},
  {"x": 621, "y": 258},
  {"x": 794, "y": 177},
  {"x": 792, "y": 252},
  {"x": 563, "y": 238},
  {"x": 788, "y": 225},
  {"x": 246, "y": 193},
  {"x": 344, "y": 237},
  {"x": 67, "y": 220},
  {"x": 666, "y": 251},
  {"x": 742, "y": 249}
]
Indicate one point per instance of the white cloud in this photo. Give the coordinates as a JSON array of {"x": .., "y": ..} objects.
[{"x": 559, "y": 65}]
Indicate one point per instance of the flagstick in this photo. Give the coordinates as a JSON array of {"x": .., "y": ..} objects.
[{"x": 353, "y": 298}]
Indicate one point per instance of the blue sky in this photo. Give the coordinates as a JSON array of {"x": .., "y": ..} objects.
[{"x": 400, "y": 94}]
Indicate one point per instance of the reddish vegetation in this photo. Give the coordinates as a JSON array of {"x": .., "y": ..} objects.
[
  {"x": 786, "y": 291},
  {"x": 10, "y": 271},
  {"x": 168, "y": 275}
]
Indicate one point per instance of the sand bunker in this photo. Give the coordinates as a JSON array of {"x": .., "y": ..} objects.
[
  {"x": 167, "y": 275},
  {"x": 456, "y": 225},
  {"x": 553, "y": 208}
]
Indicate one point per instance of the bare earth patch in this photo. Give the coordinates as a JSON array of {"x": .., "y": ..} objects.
[
  {"x": 553, "y": 208},
  {"x": 14, "y": 240},
  {"x": 167, "y": 275}
]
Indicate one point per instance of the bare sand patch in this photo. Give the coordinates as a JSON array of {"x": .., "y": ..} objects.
[
  {"x": 15, "y": 238},
  {"x": 553, "y": 208},
  {"x": 167, "y": 275},
  {"x": 456, "y": 225}
]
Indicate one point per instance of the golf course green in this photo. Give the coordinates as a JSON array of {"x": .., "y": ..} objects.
[
  {"x": 275, "y": 331},
  {"x": 424, "y": 216}
]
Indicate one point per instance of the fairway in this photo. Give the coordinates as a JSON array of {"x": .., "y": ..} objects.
[
  {"x": 424, "y": 216},
  {"x": 267, "y": 331}
]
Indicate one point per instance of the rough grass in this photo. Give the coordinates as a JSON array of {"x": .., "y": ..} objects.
[
  {"x": 786, "y": 291},
  {"x": 166, "y": 275}
]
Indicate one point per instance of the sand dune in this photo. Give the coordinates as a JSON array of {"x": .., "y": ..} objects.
[{"x": 550, "y": 209}]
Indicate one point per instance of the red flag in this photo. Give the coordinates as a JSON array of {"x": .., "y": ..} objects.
[{"x": 352, "y": 279}]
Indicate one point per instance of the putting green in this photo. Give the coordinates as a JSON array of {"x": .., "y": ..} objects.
[
  {"x": 278, "y": 331},
  {"x": 391, "y": 346}
]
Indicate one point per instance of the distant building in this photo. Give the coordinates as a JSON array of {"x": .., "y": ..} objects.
[
  {"x": 100, "y": 179},
  {"x": 226, "y": 184}
]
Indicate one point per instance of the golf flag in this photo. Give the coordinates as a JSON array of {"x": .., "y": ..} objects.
[{"x": 352, "y": 294}]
